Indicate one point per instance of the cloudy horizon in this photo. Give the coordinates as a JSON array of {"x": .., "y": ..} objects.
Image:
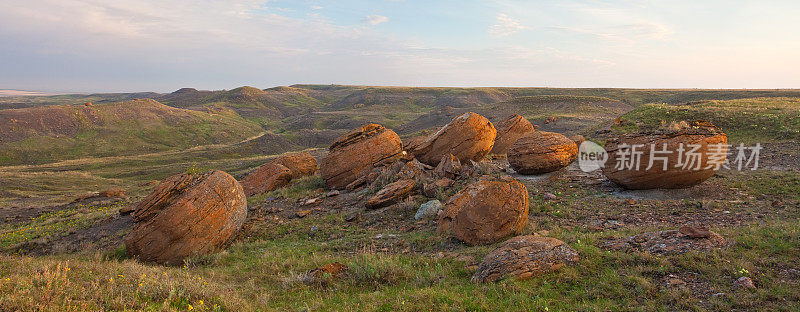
[{"x": 148, "y": 45}]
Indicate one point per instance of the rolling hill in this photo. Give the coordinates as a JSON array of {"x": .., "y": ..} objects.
[{"x": 58, "y": 132}]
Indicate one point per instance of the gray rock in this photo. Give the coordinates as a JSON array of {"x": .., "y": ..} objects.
[
  {"x": 429, "y": 209},
  {"x": 744, "y": 282}
]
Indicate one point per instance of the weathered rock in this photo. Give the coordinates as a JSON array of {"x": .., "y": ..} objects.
[
  {"x": 666, "y": 242},
  {"x": 468, "y": 137},
  {"x": 414, "y": 170},
  {"x": 429, "y": 209},
  {"x": 187, "y": 215},
  {"x": 486, "y": 212},
  {"x": 541, "y": 152},
  {"x": 695, "y": 231},
  {"x": 684, "y": 167},
  {"x": 391, "y": 194},
  {"x": 267, "y": 178},
  {"x": 358, "y": 152},
  {"x": 431, "y": 188},
  {"x": 301, "y": 164},
  {"x": 303, "y": 213},
  {"x": 509, "y": 131},
  {"x": 550, "y": 196},
  {"x": 449, "y": 167},
  {"x": 524, "y": 257}
]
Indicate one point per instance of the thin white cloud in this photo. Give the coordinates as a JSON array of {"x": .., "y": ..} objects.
[
  {"x": 506, "y": 26},
  {"x": 621, "y": 33},
  {"x": 375, "y": 19},
  {"x": 316, "y": 7}
]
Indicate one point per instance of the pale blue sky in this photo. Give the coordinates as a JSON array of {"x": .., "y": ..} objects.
[{"x": 159, "y": 45}]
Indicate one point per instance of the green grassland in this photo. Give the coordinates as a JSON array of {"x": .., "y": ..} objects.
[{"x": 743, "y": 120}]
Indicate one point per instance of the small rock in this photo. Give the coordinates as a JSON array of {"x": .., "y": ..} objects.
[
  {"x": 351, "y": 217},
  {"x": 744, "y": 282},
  {"x": 550, "y": 196},
  {"x": 449, "y": 167},
  {"x": 332, "y": 193},
  {"x": 695, "y": 231},
  {"x": 312, "y": 201},
  {"x": 430, "y": 189},
  {"x": 631, "y": 201},
  {"x": 429, "y": 209},
  {"x": 391, "y": 194}
]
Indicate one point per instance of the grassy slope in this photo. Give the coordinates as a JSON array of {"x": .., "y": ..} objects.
[
  {"x": 745, "y": 120},
  {"x": 120, "y": 131},
  {"x": 263, "y": 272}
]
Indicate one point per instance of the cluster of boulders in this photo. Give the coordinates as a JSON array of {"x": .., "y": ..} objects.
[{"x": 197, "y": 214}]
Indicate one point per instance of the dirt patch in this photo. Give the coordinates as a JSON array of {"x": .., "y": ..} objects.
[
  {"x": 779, "y": 156},
  {"x": 104, "y": 235}
]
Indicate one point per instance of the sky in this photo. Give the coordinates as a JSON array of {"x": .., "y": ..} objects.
[{"x": 163, "y": 45}]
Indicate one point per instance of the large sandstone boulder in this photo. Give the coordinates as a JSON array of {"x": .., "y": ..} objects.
[
  {"x": 187, "y": 215},
  {"x": 301, "y": 164},
  {"x": 391, "y": 194},
  {"x": 357, "y": 153},
  {"x": 267, "y": 178},
  {"x": 541, "y": 152},
  {"x": 509, "y": 131},
  {"x": 278, "y": 172},
  {"x": 486, "y": 211},
  {"x": 524, "y": 257},
  {"x": 681, "y": 156},
  {"x": 468, "y": 137}
]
